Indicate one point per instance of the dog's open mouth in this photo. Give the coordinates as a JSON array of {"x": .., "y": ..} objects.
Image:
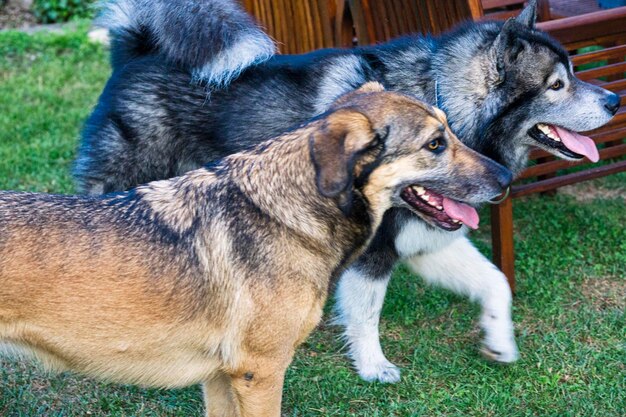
[
  {"x": 568, "y": 143},
  {"x": 444, "y": 212}
]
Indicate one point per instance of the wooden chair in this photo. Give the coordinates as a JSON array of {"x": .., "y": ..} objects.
[
  {"x": 607, "y": 29},
  {"x": 504, "y": 9},
  {"x": 379, "y": 21},
  {"x": 301, "y": 26}
]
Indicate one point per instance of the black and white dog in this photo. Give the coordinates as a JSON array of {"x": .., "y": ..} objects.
[{"x": 194, "y": 81}]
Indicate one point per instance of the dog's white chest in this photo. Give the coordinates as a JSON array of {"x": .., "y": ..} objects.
[{"x": 416, "y": 238}]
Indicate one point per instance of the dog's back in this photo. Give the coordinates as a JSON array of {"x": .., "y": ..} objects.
[{"x": 136, "y": 135}]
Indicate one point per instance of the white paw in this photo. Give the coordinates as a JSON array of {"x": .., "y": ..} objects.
[
  {"x": 501, "y": 351},
  {"x": 499, "y": 342},
  {"x": 383, "y": 371}
]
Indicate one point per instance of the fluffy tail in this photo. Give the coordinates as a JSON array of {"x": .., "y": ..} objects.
[{"x": 214, "y": 39}]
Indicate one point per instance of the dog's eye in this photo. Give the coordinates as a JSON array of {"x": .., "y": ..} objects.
[
  {"x": 436, "y": 145},
  {"x": 557, "y": 85}
]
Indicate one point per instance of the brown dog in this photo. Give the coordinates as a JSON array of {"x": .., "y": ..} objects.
[{"x": 217, "y": 276}]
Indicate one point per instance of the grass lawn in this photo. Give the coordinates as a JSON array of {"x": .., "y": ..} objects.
[{"x": 569, "y": 312}]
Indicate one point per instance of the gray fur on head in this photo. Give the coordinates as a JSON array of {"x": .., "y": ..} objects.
[{"x": 214, "y": 39}]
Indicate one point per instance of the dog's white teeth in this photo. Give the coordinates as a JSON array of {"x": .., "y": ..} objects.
[
  {"x": 439, "y": 208},
  {"x": 544, "y": 128},
  {"x": 554, "y": 137},
  {"x": 421, "y": 192},
  {"x": 455, "y": 221}
]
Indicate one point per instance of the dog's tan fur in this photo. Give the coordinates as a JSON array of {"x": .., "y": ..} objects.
[{"x": 217, "y": 276}]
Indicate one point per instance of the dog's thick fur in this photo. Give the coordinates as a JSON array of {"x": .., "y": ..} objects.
[
  {"x": 215, "y": 277},
  {"x": 215, "y": 40},
  {"x": 492, "y": 79}
]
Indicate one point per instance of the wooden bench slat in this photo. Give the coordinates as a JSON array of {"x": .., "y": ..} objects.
[
  {"x": 594, "y": 56},
  {"x": 616, "y": 38},
  {"x": 492, "y": 4},
  {"x": 588, "y": 26},
  {"x": 619, "y": 118},
  {"x": 615, "y": 86},
  {"x": 610, "y": 69},
  {"x": 538, "y": 153},
  {"x": 562, "y": 180},
  {"x": 501, "y": 15},
  {"x": 609, "y": 135},
  {"x": 553, "y": 166}
]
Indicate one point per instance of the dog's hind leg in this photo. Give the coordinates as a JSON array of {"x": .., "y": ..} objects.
[
  {"x": 219, "y": 398},
  {"x": 360, "y": 297},
  {"x": 461, "y": 268}
]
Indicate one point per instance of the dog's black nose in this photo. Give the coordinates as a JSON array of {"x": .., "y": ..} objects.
[
  {"x": 504, "y": 177},
  {"x": 612, "y": 103}
]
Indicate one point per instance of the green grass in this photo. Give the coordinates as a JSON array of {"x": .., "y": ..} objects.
[
  {"x": 569, "y": 311},
  {"x": 48, "y": 85}
]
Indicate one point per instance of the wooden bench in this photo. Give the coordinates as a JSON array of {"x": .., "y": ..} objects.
[
  {"x": 379, "y": 21},
  {"x": 504, "y": 9},
  {"x": 303, "y": 25},
  {"x": 605, "y": 29}
]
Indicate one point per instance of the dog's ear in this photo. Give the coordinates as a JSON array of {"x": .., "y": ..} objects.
[
  {"x": 369, "y": 87},
  {"x": 506, "y": 48},
  {"x": 335, "y": 149},
  {"x": 528, "y": 16}
]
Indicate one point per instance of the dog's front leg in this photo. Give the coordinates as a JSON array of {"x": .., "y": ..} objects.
[
  {"x": 461, "y": 268},
  {"x": 360, "y": 297}
]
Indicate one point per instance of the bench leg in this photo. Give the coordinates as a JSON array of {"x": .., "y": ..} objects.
[{"x": 502, "y": 239}]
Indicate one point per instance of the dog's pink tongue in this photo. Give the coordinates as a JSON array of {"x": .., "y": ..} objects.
[
  {"x": 580, "y": 144},
  {"x": 461, "y": 212}
]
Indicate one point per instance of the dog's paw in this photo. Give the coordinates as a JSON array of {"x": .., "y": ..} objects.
[
  {"x": 384, "y": 371},
  {"x": 501, "y": 353}
]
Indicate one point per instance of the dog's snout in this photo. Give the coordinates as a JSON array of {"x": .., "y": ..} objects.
[
  {"x": 612, "y": 103},
  {"x": 502, "y": 175}
]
